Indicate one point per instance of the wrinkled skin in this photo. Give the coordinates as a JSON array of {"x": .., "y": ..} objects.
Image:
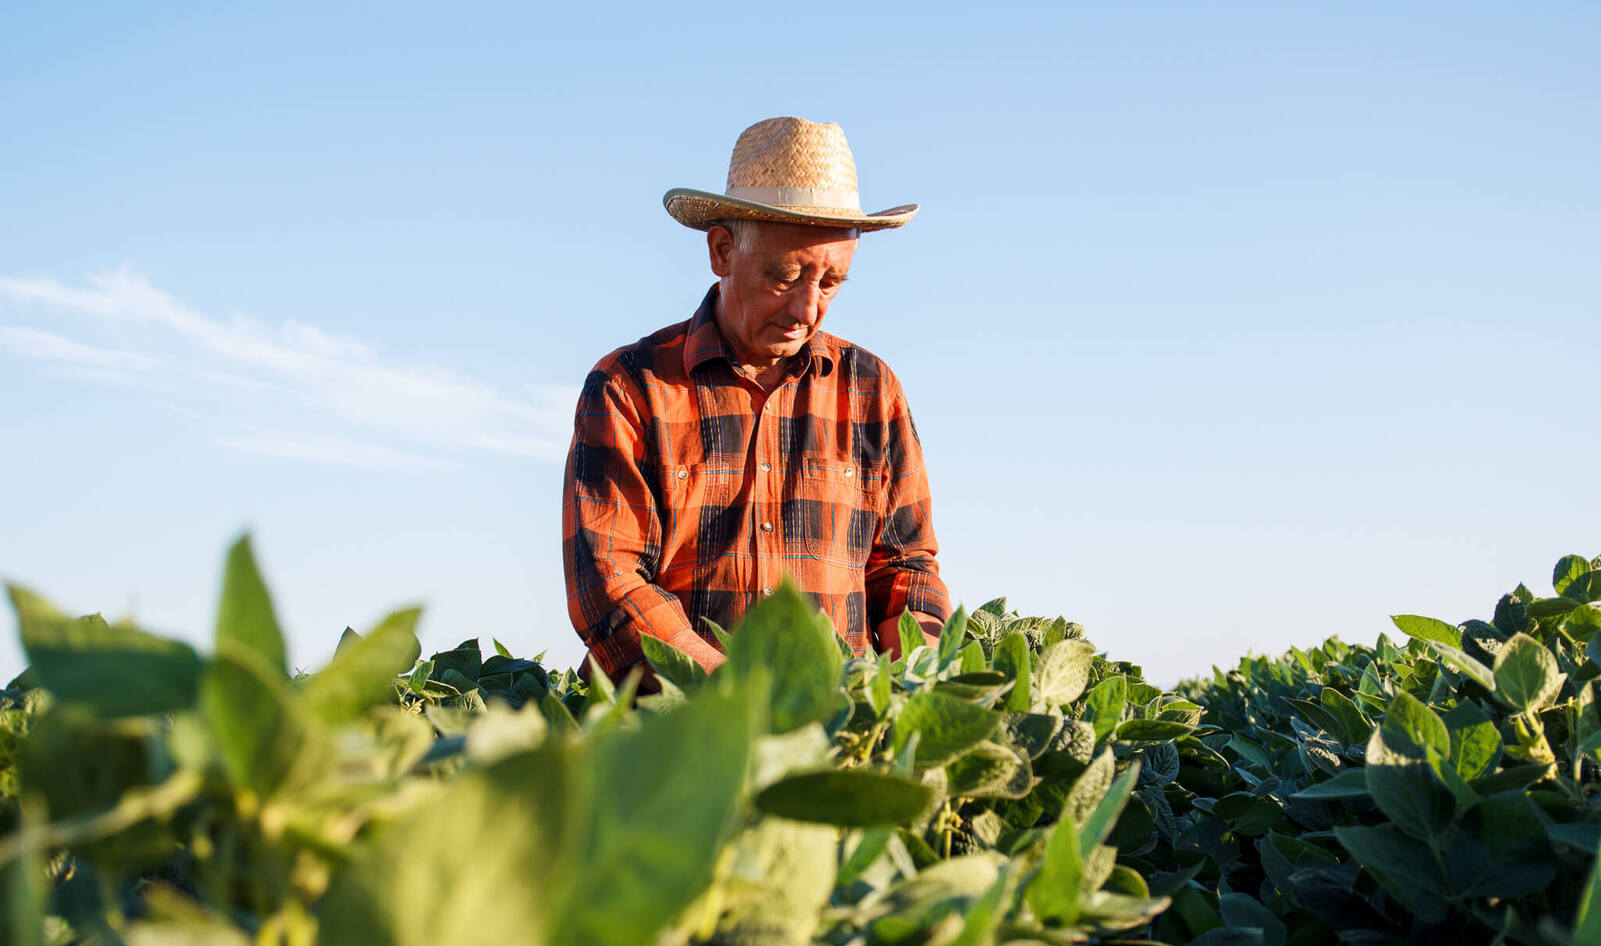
[{"x": 775, "y": 293}]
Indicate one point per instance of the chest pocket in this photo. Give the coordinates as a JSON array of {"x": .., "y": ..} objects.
[
  {"x": 836, "y": 511},
  {"x": 695, "y": 516}
]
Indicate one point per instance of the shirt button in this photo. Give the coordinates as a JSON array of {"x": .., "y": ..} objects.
[
  {"x": 849, "y": 472},
  {"x": 767, "y": 527},
  {"x": 682, "y": 473},
  {"x": 767, "y": 468},
  {"x": 767, "y": 592}
]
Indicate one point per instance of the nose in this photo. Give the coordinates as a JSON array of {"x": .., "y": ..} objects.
[{"x": 804, "y": 303}]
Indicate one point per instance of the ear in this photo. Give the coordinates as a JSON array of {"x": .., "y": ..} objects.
[{"x": 720, "y": 246}]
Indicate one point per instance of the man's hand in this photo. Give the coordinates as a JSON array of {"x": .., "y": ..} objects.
[{"x": 888, "y": 633}]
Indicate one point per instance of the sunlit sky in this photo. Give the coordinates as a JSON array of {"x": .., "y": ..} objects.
[{"x": 1226, "y": 327}]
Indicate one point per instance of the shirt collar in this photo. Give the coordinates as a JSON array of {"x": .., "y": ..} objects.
[{"x": 704, "y": 342}]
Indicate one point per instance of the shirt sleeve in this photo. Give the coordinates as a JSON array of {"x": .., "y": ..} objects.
[
  {"x": 612, "y": 535},
  {"x": 902, "y": 573}
]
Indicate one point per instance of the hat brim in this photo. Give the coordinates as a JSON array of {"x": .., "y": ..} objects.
[{"x": 701, "y": 209}]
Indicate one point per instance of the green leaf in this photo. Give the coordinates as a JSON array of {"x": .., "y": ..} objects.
[
  {"x": 947, "y": 727},
  {"x": 1502, "y": 850},
  {"x": 244, "y": 614},
  {"x": 724, "y": 639},
  {"x": 1151, "y": 730},
  {"x": 1099, "y": 824},
  {"x": 266, "y": 742},
  {"x": 878, "y": 690},
  {"x": 1064, "y": 668},
  {"x": 347, "y": 640},
  {"x": 1475, "y": 744},
  {"x": 1526, "y": 676},
  {"x": 1351, "y": 783},
  {"x": 1316, "y": 715},
  {"x": 1031, "y": 732},
  {"x": 1428, "y": 629},
  {"x": 779, "y": 637},
  {"x": 1054, "y": 890},
  {"x": 1567, "y": 570},
  {"x": 868, "y": 849},
  {"x": 952, "y": 636},
  {"x": 1089, "y": 788},
  {"x": 1242, "y": 910},
  {"x": 911, "y": 634},
  {"x": 671, "y": 663},
  {"x": 1404, "y": 784},
  {"x": 1011, "y": 658},
  {"x": 852, "y": 798},
  {"x": 363, "y": 673},
  {"x": 112, "y": 671},
  {"x": 1356, "y": 726},
  {"x": 1104, "y": 706},
  {"x": 1460, "y": 662},
  {"x": 990, "y": 770},
  {"x": 1404, "y": 866},
  {"x": 1412, "y": 719}
]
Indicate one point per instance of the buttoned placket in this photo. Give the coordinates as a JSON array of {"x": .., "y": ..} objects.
[{"x": 766, "y": 492}]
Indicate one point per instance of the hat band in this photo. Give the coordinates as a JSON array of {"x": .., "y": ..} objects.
[{"x": 798, "y": 196}]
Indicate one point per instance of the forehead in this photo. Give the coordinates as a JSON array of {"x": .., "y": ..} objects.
[{"x": 829, "y": 247}]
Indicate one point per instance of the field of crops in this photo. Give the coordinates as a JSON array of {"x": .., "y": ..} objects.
[{"x": 1007, "y": 785}]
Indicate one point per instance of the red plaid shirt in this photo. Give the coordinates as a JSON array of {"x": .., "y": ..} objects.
[{"x": 690, "y": 492}]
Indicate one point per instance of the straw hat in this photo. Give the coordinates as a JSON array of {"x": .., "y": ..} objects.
[{"x": 787, "y": 170}]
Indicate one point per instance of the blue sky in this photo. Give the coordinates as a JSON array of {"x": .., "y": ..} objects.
[{"x": 1226, "y": 327}]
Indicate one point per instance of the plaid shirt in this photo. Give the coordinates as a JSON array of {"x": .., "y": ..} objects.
[{"x": 690, "y": 492}]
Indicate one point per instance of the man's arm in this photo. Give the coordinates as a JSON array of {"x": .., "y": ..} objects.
[
  {"x": 902, "y": 573},
  {"x": 612, "y": 536}
]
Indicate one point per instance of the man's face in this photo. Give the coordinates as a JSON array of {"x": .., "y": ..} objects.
[{"x": 776, "y": 291}]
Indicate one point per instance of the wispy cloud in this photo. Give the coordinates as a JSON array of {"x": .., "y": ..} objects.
[
  {"x": 58, "y": 349},
  {"x": 347, "y": 401}
]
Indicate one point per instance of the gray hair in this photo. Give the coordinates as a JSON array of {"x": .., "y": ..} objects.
[{"x": 742, "y": 230}]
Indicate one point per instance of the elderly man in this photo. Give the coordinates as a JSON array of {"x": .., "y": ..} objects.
[{"x": 718, "y": 455}]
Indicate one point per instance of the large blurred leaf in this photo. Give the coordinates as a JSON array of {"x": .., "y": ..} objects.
[
  {"x": 1064, "y": 668},
  {"x": 110, "y": 670},
  {"x": 497, "y": 836},
  {"x": 364, "y": 670},
  {"x": 1526, "y": 676},
  {"x": 670, "y": 789},
  {"x": 244, "y": 614},
  {"x": 1406, "y": 868},
  {"x": 947, "y": 727},
  {"x": 266, "y": 741},
  {"x": 772, "y": 882},
  {"x": 781, "y": 638},
  {"x": 852, "y": 798}
]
